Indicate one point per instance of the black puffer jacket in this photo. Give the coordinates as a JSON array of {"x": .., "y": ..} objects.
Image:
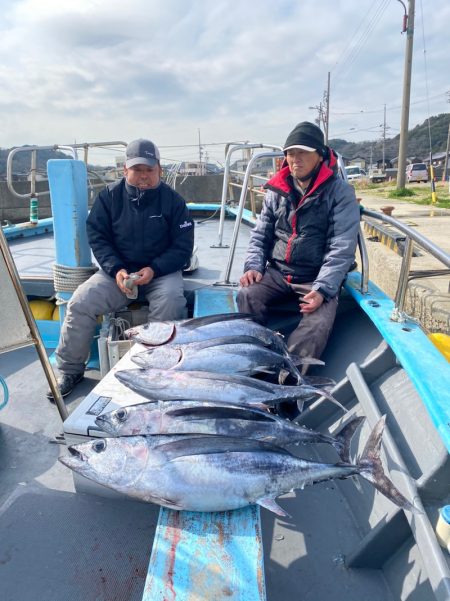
[
  {"x": 312, "y": 239},
  {"x": 131, "y": 230}
]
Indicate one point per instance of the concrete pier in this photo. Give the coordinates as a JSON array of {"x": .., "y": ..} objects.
[{"x": 427, "y": 298}]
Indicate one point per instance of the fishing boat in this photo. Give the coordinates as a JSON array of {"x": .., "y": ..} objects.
[{"x": 66, "y": 538}]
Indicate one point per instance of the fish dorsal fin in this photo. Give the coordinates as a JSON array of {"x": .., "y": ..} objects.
[
  {"x": 197, "y": 322},
  {"x": 212, "y": 444},
  {"x": 233, "y": 379},
  {"x": 273, "y": 506},
  {"x": 225, "y": 340},
  {"x": 221, "y": 412}
]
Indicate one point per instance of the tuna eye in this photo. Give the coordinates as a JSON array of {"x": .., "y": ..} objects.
[
  {"x": 121, "y": 415},
  {"x": 99, "y": 446}
]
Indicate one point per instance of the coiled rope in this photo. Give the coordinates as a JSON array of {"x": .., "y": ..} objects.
[
  {"x": 5, "y": 393},
  {"x": 121, "y": 324},
  {"x": 67, "y": 279}
]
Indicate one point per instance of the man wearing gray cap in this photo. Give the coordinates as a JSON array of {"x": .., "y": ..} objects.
[
  {"x": 137, "y": 226},
  {"x": 304, "y": 241}
]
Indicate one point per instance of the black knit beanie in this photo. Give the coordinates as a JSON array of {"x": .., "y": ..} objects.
[{"x": 307, "y": 136}]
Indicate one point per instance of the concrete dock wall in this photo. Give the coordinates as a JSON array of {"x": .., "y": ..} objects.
[
  {"x": 16, "y": 210},
  {"x": 204, "y": 188}
]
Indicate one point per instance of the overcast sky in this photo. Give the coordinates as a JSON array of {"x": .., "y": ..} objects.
[{"x": 98, "y": 70}]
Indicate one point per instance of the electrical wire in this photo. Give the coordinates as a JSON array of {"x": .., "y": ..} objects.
[{"x": 344, "y": 67}]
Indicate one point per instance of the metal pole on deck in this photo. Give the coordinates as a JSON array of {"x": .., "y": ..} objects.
[
  {"x": 34, "y": 331},
  {"x": 237, "y": 225}
]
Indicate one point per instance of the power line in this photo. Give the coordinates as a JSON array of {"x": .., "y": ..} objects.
[
  {"x": 348, "y": 62},
  {"x": 391, "y": 108}
]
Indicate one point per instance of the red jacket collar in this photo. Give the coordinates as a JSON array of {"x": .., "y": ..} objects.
[{"x": 281, "y": 182}]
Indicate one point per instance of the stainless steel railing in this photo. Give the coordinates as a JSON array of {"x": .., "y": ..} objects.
[
  {"x": 72, "y": 149},
  {"x": 411, "y": 236}
]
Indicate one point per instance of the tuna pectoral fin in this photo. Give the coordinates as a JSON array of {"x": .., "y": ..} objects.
[
  {"x": 319, "y": 381},
  {"x": 371, "y": 468},
  {"x": 273, "y": 506},
  {"x": 297, "y": 360}
]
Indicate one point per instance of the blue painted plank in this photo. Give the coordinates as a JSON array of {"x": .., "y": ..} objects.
[
  {"x": 202, "y": 206},
  {"x": 416, "y": 353},
  {"x": 211, "y": 301},
  {"x": 24, "y": 230},
  {"x": 207, "y": 556},
  {"x": 247, "y": 216}
]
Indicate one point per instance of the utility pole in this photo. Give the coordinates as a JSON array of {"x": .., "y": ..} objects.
[
  {"x": 384, "y": 140},
  {"x": 319, "y": 110},
  {"x": 406, "y": 96},
  {"x": 323, "y": 110},
  {"x": 327, "y": 110},
  {"x": 200, "y": 153},
  {"x": 444, "y": 174}
]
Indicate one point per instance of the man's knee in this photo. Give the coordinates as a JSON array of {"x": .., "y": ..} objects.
[{"x": 168, "y": 307}]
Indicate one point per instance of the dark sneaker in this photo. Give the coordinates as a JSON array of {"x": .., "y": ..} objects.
[{"x": 66, "y": 383}]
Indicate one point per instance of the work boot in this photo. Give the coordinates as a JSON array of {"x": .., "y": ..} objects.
[{"x": 66, "y": 383}]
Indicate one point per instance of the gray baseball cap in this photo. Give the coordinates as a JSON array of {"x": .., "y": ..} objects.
[{"x": 141, "y": 152}]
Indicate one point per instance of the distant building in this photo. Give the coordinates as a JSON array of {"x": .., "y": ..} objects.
[
  {"x": 438, "y": 159},
  {"x": 358, "y": 162}
]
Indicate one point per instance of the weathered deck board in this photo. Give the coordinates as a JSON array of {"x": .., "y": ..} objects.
[{"x": 207, "y": 556}]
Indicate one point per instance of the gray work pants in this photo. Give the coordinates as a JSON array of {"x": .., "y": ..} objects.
[
  {"x": 311, "y": 335},
  {"x": 100, "y": 295}
]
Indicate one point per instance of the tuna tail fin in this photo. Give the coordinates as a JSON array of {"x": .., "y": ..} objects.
[
  {"x": 344, "y": 438},
  {"x": 371, "y": 469}
]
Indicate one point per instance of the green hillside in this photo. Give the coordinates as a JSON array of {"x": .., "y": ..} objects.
[{"x": 418, "y": 142}]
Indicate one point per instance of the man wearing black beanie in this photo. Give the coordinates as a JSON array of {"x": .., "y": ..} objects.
[{"x": 304, "y": 241}]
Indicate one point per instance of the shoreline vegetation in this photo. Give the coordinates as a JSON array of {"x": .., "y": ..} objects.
[{"x": 418, "y": 193}]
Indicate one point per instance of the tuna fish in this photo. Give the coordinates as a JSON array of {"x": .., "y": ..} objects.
[
  {"x": 205, "y": 328},
  {"x": 158, "y": 384},
  {"x": 196, "y": 417},
  {"x": 216, "y": 473},
  {"x": 241, "y": 355}
]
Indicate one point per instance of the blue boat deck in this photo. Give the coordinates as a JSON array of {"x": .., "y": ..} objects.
[{"x": 88, "y": 548}]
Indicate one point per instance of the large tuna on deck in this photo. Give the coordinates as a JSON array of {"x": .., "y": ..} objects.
[
  {"x": 158, "y": 384},
  {"x": 241, "y": 355},
  {"x": 205, "y": 328},
  {"x": 196, "y": 417},
  {"x": 216, "y": 473}
]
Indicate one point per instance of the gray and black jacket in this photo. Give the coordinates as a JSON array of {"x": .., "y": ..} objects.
[
  {"x": 129, "y": 229},
  {"x": 310, "y": 238}
]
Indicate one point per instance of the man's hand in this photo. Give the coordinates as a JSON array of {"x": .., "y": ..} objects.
[
  {"x": 250, "y": 277},
  {"x": 121, "y": 276},
  {"x": 146, "y": 276},
  {"x": 311, "y": 302}
]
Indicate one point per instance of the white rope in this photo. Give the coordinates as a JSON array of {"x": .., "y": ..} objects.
[
  {"x": 121, "y": 324},
  {"x": 67, "y": 279}
]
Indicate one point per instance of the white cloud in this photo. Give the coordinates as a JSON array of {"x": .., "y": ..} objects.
[{"x": 97, "y": 70}]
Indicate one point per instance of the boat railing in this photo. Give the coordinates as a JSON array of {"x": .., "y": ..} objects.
[
  {"x": 275, "y": 154},
  {"x": 71, "y": 149},
  {"x": 237, "y": 225},
  {"x": 230, "y": 150},
  {"x": 411, "y": 237}
]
